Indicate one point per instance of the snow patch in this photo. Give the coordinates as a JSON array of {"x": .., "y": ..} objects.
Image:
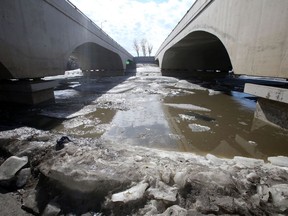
[
  {"x": 199, "y": 128},
  {"x": 188, "y": 107}
]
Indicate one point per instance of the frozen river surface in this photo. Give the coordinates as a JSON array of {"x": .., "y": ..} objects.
[{"x": 146, "y": 109}]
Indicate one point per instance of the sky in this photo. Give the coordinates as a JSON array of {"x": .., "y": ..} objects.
[{"x": 127, "y": 20}]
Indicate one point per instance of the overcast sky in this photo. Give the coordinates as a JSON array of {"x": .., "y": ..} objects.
[{"x": 126, "y": 20}]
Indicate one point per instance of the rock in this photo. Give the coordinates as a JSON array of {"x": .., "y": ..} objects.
[
  {"x": 163, "y": 192},
  {"x": 133, "y": 193},
  {"x": 51, "y": 209},
  {"x": 279, "y": 195},
  {"x": 279, "y": 161},
  {"x": 23, "y": 177},
  {"x": 60, "y": 143},
  {"x": 244, "y": 162},
  {"x": 174, "y": 210},
  {"x": 11, "y": 166}
]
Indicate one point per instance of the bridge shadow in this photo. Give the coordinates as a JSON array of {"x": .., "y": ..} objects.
[
  {"x": 225, "y": 81},
  {"x": 74, "y": 96}
]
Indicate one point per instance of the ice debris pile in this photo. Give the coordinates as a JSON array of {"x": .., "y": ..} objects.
[{"x": 108, "y": 179}]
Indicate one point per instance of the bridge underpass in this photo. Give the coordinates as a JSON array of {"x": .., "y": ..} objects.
[
  {"x": 198, "y": 52},
  {"x": 51, "y": 31},
  {"x": 244, "y": 37}
]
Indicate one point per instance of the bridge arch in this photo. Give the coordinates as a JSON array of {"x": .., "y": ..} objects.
[
  {"x": 199, "y": 50},
  {"x": 4, "y": 72},
  {"x": 92, "y": 56}
]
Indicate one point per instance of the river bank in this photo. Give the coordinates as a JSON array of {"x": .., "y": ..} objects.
[{"x": 130, "y": 180}]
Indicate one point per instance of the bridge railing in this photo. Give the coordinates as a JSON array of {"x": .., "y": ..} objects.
[
  {"x": 197, "y": 7},
  {"x": 95, "y": 25}
]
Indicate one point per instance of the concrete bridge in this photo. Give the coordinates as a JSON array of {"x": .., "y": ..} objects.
[
  {"x": 247, "y": 36},
  {"x": 244, "y": 36},
  {"x": 38, "y": 37}
]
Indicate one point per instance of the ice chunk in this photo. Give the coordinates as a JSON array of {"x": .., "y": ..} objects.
[
  {"x": 247, "y": 162},
  {"x": 163, "y": 192},
  {"x": 187, "y": 85},
  {"x": 11, "y": 166},
  {"x": 187, "y": 117},
  {"x": 263, "y": 192},
  {"x": 198, "y": 128},
  {"x": 214, "y": 160},
  {"x": 213, "y": 92},
  {"x": 279, "y": 195},
  {"x": 279, "y": 161},
  {"x": 188, "y": 107},
  {"x": 180, "y": 178},
  {"x": 174, "y": 210},
  {"x": 133, "y": 193}
]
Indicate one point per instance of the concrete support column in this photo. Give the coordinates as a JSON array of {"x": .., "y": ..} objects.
[
  {"x": 27, "y": 92},
  {"x": 273, "y": 112},
  {"x": 272, "y": 106}
]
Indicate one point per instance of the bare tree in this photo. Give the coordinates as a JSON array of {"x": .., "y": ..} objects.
[
  {"x": 150, "y": 48},
  {"x": 136, "y": 47},
  {"x": 143, "y": 46}
]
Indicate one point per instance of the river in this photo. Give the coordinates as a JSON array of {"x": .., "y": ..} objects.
[{"x": 148, "y": 110}]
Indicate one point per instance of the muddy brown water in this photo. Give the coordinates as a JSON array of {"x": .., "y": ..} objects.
[{"x": 155, "y": 113}]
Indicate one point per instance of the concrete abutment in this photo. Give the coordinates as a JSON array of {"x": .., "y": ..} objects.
[
  {"x": 272, "y": 104},
  {"x": 28, "y": 92}
]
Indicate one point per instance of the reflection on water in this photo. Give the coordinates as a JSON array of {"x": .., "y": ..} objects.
[
  {"x": 158, "y": 112},
  {"x": 233, "y": 129},
  {"x": 144, "y": 125}
]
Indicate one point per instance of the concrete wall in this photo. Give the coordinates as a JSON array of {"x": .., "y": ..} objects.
[
  {"x": 37, "y": 38},
  {"x": 250, "y": 36},
  {"x": 144, "y": 59}
]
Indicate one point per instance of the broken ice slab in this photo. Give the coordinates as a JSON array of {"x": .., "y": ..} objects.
[
  {"x": 133, "y": 193},
  {"x": 188, "y": 107},
  {"x": 199, "y": 128},
  {"x": 67, "y": 111},
  {"x": 248, "y": 162},
  {"x": 279, "y": 161}
]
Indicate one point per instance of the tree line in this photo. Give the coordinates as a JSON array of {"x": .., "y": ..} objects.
[{"x": 143, "y": 46}]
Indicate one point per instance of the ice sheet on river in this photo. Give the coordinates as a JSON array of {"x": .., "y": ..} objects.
[
  {"x": 188, "y": 107},
  {"x": 64, "y": 111},
  {"x": 199, "y": 128},
  {"x": 143, "y": 124},
  {"x": 188, "y": 85}
]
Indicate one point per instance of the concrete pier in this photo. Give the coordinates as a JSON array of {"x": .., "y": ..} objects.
[
  {"x": 29, "y": 92},
  {"x": 272, "y": 106}
]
